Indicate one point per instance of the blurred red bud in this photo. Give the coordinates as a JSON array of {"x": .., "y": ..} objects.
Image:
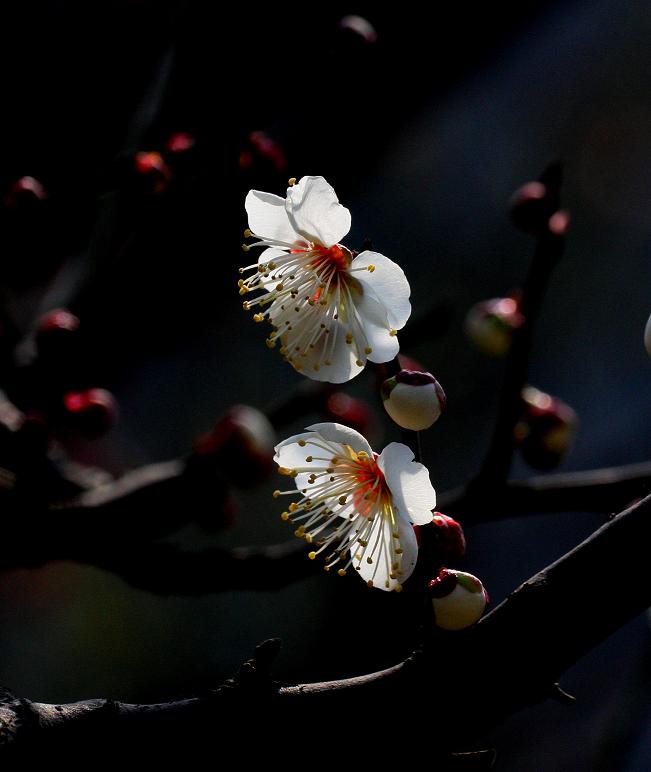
[
  {"x": 151, "y": 166},
  {"x": 91, "y": 412},
  {"x": 180, "y": 142},
  {"x": 491, "y": 323},
  {"x": 26, "y": 190},
  {"x": 265, "y": 148},
  {"x": 343, "y": 409},
  {"x": 546, "y": 429},
  {"x": 241, "y": 445},
  {"x": 530, "y": 208},
  {"x": 357, "y": 30},
  {"x": 56, "y": 332}
]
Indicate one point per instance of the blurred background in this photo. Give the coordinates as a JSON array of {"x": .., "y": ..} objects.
[{"x": 145, "y": 124}]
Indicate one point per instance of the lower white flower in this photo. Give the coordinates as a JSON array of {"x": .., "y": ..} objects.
[
  {"x": 330, "y": 310},
  {"x": 356, "y": 508}
]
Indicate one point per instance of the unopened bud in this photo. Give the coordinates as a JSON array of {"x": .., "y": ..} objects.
[
  {"x": 357, "y": 30},
  {"x": 414, "y": 400},
  {"x": 491, "y": 323},
  {"x": 26, "y": 190},
  {"x": 180, "y": 142},
  {"x": 458, "y": 599},
  {"x": 241, "y": 444},
  {"x": 546, "y": 429},
  {"x": 450, "y": 539},
  {"x": 56, "y": 330},
  {"x": 151, "y": 165},
  {"x": 92, "y": 412},
  {"x": 531, "y": 207},
  {"x": 343, "y": 409}
]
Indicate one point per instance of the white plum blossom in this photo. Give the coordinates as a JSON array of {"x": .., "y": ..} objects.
[
  {"x": 330, "y": 311},
  {"x": 355, "y": 507}
]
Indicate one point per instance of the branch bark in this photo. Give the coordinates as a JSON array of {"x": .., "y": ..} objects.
[{"x": 512, "y": 658}]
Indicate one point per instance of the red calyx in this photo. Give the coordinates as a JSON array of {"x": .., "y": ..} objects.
[
  {"x": 450, "y": 539},
  {"x": 443, "y": 584}
]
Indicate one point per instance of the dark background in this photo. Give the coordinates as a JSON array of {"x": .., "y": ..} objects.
[{"x": 424, "y": 135}]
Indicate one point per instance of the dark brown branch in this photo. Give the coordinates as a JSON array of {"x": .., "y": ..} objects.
[
  {"x": 511, "y": 659},
  {"x": 114, "y": 527},
  {"x": 549, "y": 249}
]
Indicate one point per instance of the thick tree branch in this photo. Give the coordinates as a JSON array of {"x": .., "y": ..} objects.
[{"x": 511, "y": 659}]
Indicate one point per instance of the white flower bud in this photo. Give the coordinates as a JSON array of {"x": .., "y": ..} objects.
[
  {"x": 458, "y": 598},
  {"x": 414, "y": 400},
  {"x": 647, "y": 337}
]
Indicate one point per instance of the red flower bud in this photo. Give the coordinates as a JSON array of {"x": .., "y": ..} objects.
[
  {"x": 26, "y": 190},
  {"x": 546, "y": 429},
  {"x": 450, "y": 539},
  {"x": 458, "y": 599},
  {"x": 92, "y": 412},
  {"x": 490, "y": 325}
]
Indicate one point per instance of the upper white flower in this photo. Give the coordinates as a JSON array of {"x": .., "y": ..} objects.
[
  {"x": 354, "y": 505},
  {"x": 329, "y": 310}
]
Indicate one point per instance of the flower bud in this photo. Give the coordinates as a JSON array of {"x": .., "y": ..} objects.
[
  {"x": 180, "y": 142},
  {"x": 357, "y": 30},
  {"x": 647, "y": 337},
  {"x": 241, "y": 445},
  {"x": 458, "y": 599},
  {"x": 92, "y": 412},
  {"x": 56, "y": 331},
  {"x": 546, "y": 429},
  {"x": 26, "y": 190},
  {"x": 151, "y": 166},
  {"x": 449, "y": 536},
  {"x": 343, "y": 409},
  {"x": 531, "y": 207},
  {"x": 414, "y": 400},
  {"x": 490, "y": 325}
]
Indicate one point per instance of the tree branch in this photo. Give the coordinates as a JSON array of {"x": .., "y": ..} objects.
[{"x": 510, "y": 659}]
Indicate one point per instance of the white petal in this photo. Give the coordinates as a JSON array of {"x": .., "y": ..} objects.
[
  {"x": 268, "y": 217},
  {"x": 342, "y": 435},
  {"x": 341, "y": 356},
  {"x": 409, "y": 483},
  {"x": 290, "y": 454},
  {"x": 315, "y": 212},
  {"x": 387, "y": 284},
  {"x": 380, "y": 569},
  {"x": 373, "y": 316}
]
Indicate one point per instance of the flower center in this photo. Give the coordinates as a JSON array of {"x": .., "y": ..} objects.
[{"x": 337, "y": 257}]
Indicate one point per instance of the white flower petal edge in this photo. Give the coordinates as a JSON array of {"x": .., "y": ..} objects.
[
  {"x": 409, "y": 482},
  {"x": 329, "y": 312},
  {"x": 355, "y": 507},
  {"x": 315, "y": 212}
]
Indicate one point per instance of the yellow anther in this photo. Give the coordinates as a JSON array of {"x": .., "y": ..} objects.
[
  {"x": 397, "y": 588},
  {"x": 395, "y": 566},
  {"x": 291, "y": 182},
  {"x": 349, "y": 338},
  {"x": 370, "y": 268},
  {"x": 245, "y": 247},
  {"x": 302, "y": 443},
  {"x": 326, "y": 568},
  {"x": 368, "y": 350},
  {"x": 334, "y": 460},
  {"x": 293, "y": 506},
  {"x": 284, "y": 516},
  {"x": 262, "y": 268},
  {"x": 395, "y": 535},
  {"x": 327, "y": 363},
  {"x": 276, "y": 493},
  {"x": 283, "y": 350},
  {"x": 287, "y": 472},
  {"x": 246, "y": 306},
  {"x": 300, "y": 531},
  {"x": 369, "y": 560},
  {"x": 317, "y": 367},
  {"x": 271, "y": 266},
  {"x": 359, "y": 363},
  {"x": 342, "y": 572},
  {"x": 258, "y": 317},
  {"x": 363, "y": 542},
  {"x": 311, "y": 555},
  {"x": 398, "y": 551},
  {"x": 240, "y": 282},
  {"x": 342, "y": 500},
  {"x": 247, "y": 233},
  {"x": 270, "y": 343},
  {"x": 243, "y": 289},
  {"x": 369, "y": 583},
  {"x": 362, "y": 454},
  {"x": 309, "y": 459},
  {"x": 279, "y": 287},
  {"x": 393, "y": 333}
]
